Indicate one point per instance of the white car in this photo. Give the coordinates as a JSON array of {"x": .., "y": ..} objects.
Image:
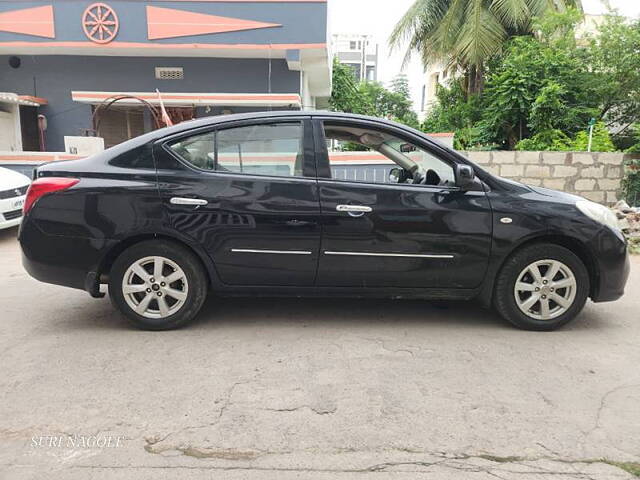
[{"x": 13, "y": 187}]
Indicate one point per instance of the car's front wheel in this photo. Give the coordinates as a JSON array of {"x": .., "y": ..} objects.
[
  {"x": 157, "y": 285},
  {"x": 541, "y": 287}
]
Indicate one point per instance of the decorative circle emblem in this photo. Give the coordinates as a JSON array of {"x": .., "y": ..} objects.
[{"x": 100, "y": 23}]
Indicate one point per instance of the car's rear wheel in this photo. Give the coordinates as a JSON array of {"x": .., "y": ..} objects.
[
  {"x": 541, "y": 287},
  {"x": 157, "y": 285}
]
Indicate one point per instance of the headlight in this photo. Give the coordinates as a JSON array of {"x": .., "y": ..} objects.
[{"x": 599, "y": 213}]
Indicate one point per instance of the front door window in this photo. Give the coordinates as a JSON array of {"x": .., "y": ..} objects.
[{"x": 373, "y": 156}]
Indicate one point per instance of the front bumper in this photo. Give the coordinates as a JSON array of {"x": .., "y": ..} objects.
[
  {"x": 10, "y": 223},
  {"x": 611, "y": 259},
  {"x": 11, "y": 211}
]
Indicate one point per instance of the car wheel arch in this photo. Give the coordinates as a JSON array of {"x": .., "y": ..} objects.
[
  {"x": 110, "y": 257},
  {"x": 571, "y": 243}
]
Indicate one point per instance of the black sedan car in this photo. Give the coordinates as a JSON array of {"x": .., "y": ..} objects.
[{"x": 312, "y": 203}]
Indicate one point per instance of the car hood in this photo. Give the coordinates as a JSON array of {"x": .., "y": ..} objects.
[{"x": 10, "y": 179}]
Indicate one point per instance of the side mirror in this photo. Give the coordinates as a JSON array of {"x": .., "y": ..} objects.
[
  {"x": 465, "y": 175},
  {"x": 396, "y": 175}
]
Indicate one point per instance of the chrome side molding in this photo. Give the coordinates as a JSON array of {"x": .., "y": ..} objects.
[
  {"x": 277, "y": 252},
  {"x": 380, "y": 254}
]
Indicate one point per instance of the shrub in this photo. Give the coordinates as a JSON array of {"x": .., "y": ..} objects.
[
  {"x": 631, "y": 183},
  {"x": 601, "y": 141},
  {"x": 554, "y": 140}
]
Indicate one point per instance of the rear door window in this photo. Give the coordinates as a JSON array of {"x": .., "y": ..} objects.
[{"x": 265, "y": 149}]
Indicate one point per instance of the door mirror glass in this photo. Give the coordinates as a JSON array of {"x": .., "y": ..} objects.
[
  {"x": 397, "y": 175},
  {"x": 465, "y": 176}
]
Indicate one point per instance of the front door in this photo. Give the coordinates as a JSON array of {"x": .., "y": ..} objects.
[
  {"x": 381, "y": 233},
  {"x": 247, "y": 193}
]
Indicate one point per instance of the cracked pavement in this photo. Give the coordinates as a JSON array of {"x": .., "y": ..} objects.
[{"x": 314, "y": 388}]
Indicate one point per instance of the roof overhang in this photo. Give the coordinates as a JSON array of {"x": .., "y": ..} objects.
[
  {"x": 141, "y": 49},
  {"x": 25, "y": 100},
  {"x": 291, "y": 100}
]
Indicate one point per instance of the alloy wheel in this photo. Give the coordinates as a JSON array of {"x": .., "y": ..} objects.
[
  {"x": 545, "y": 289},
  {"x": 155, "y": 287}
]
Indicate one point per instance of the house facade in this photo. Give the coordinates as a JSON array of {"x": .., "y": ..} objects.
[
  {"x": 74, "y": 68},
  {"x": 360, "y": 52}
]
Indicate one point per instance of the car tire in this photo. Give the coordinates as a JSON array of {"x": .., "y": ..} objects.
[
  {"x": 536, "y": 301},
  {"x": 163, "y": 303}
]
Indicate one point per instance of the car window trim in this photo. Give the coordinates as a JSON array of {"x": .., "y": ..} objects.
[
  {"x": 309, "y": 163},
  {"x": 434, "y": 188}
]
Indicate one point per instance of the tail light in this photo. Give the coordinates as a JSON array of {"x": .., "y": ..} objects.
[{"x": 44, "y": 185}]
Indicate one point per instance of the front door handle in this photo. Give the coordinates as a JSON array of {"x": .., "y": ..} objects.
[
  {"x": 354, "y": 210},
  {"x": 187, "y": 201}
]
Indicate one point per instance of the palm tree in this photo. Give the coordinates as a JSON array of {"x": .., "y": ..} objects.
[{"x": 465, "y": 33}]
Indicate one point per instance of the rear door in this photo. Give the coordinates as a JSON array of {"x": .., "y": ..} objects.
[
  {"x": 377, "y": 233},
  {"x": 247, "y": 193}
]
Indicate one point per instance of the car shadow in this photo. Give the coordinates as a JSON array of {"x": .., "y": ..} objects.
[
  {"x": 219, "y": 313},
  {"x": 223, "y": 312}
]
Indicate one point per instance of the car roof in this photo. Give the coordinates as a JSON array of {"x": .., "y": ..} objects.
[
  {"x": 219, "y": 119},
  {"x": 216, "y": 119}
]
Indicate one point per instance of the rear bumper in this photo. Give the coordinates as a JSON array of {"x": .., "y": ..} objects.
[
  {"x": 612, "y": 264},
  {"x": 62, "y": 260}
]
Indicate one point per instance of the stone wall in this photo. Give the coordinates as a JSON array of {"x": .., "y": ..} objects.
[{"x": 595, "y": 176}]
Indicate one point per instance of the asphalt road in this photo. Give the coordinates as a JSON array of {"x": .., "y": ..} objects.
[{"x": 296, "y": 388}]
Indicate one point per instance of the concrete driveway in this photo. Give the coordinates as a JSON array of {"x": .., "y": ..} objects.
[{"x": 295, "y": 388}]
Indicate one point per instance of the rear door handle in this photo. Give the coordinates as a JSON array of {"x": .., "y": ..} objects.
[
  {"x": 187, "y": 201},
  {"x": 354, "y": 210}
]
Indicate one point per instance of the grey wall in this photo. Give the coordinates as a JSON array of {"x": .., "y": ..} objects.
[
  {"x": 54, "y": 77},
  {"x": 596, "y": 176}
]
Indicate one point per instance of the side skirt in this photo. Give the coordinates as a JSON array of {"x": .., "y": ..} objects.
[{"x": 395, "y": 293}]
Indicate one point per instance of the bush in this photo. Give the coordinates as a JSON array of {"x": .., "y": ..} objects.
[
  {"x": 601, "y": 141},
  {"x": 554, "y": 140},
  {"x": 631, "y": 183},
  {"x": 635, "y": 139}
]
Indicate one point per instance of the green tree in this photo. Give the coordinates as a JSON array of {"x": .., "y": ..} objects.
[
  {"x": 456, "y": 112},
  {"x": 615, "y": 60},
  {"x": 370, "y": 98},
  {"x": 542, "y": 90},
  {"x": 400, "y": 84},
  {"x": 377, "y": 101},
  {"x": 539, "y": 86},
  {"x": 344, "y": 92},
  {"x": 467, "y": 33}
]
